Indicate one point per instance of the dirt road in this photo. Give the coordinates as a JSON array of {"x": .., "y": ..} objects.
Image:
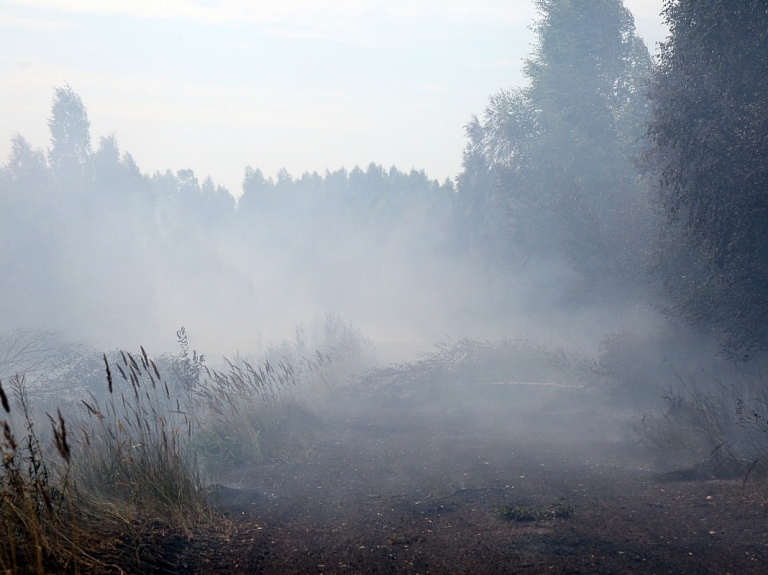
[{"x": 391, "y": 490}]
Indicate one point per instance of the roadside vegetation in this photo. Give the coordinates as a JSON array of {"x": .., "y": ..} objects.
[{"x": 136, "y": 457}]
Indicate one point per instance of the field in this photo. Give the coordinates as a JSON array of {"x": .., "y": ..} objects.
[
  {"x": 415, "y": 468},
  {"x": 468, "y": 489}
]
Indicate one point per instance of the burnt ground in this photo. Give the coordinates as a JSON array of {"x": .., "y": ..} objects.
[{"x": 386, "y": 488}]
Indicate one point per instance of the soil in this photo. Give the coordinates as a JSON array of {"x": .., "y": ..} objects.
[{"x": 387, "y": 488}]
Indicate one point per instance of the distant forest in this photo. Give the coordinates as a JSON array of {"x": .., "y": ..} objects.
[{"x": 644, "y": 180}]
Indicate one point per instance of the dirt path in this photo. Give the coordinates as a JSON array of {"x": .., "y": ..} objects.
[{"x": 393, "y": 492}]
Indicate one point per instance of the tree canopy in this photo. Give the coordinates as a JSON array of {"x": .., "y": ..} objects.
[
  {"x": 70, "y": 135},
  {"x": 548, "y": 170},
  {"x": 710, "y": 149}
]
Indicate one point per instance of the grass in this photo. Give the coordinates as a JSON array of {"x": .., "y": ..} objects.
[
  {"x": 87, "y": 492},
  {"x": 38, "y": 532},
  {"x": 135, "y": 455},
  {"x": 252, "y": 414},
  {"x": 120, "y": 468}
]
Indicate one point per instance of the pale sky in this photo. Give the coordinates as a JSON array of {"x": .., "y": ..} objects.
[{"x": 215, "y": 85}]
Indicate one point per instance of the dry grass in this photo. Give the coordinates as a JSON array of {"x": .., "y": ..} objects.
[
  {"x": 39, "y": 530},
  {"x": 249, "y": 414},
  {"x": 126, "y": 466},
  {"x": 117, "y": 471},
  {"x": 135, "y": 454}
]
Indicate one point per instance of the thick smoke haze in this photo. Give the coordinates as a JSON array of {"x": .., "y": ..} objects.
[
  {"x": 522, "y": 329},
  {"x": 548, "y": 232},
  {"x": 102, "y": 252}
]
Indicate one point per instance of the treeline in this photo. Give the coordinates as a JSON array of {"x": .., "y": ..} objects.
[{"x": 86, "y": 232}]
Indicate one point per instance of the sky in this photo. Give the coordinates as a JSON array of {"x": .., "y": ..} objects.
[{"x": 217, "y": 85}]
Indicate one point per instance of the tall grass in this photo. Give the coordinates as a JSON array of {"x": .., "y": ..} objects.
[
  {"x": 38, "y": 532},
  {"x": 129, "y": 460},
  {"x": 136, "y": 456},
  {"x": 125, "y": 464},
  {"x": 252, "y": 414}
]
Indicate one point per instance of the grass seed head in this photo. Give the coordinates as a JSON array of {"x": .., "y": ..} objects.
[
  {"x": 9, "y": 438},
  {"x": 60, "y": 436},
  {"x": 4, "y": 399},
  {"x": 109, "y": 374}
]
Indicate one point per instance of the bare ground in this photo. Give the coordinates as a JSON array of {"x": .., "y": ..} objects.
[{"x": 386, "y": 488}]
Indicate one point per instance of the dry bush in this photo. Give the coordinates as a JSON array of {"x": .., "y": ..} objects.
[
  {"x": 469, "y": 362},
  {"x": 711, "y": 429},
  {"x": 31, "y": 352}
]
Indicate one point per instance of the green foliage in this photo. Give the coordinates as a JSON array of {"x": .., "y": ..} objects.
[
  {"x": 710, "y": 137},
  {"x": 548, "y": 171},
  {"x": 351, "y": 199}
]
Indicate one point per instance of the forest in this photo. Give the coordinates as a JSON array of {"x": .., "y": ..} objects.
[{"x": 596, "y": 273}]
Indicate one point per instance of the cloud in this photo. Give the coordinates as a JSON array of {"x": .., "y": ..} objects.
[
  {"x": 11, "y": 21},
  {"x": 429, "y": 87},
  {"x": 119, "y": 100},
  {"x": 221, "y": 11},
  {"x": 296, "y": 12}
]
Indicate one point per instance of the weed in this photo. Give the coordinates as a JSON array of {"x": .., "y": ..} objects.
[{"x": 37, "y": 531}]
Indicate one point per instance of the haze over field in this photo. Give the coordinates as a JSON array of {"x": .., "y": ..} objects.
[
  {"x": 470, "y": 280},
  {"x": 206, "y": 90}
]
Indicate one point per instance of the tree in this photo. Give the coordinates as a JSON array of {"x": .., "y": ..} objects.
[
  {"x": 709, "y": 132},
  {"x": 117, "y": 175},
  {"x": 70, "y": 151},
  {"x": 257, "y": 191},
  {"x": 26, "y": 168},
  {"x": 549, "y": 168}
]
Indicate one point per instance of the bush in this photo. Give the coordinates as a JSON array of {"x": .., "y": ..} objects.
[{"x": 710, "y": 428}]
